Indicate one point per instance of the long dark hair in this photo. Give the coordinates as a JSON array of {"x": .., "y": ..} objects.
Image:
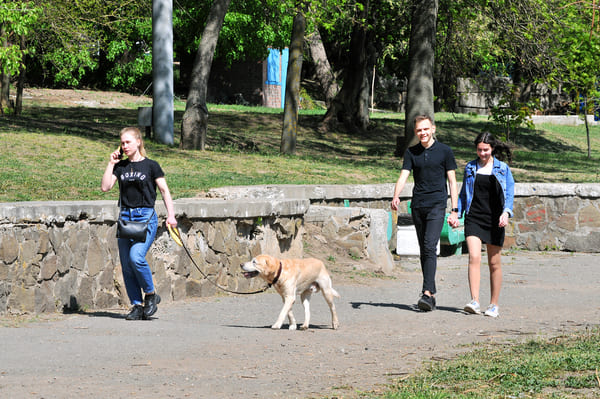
[{"x": 500, "y": 149}]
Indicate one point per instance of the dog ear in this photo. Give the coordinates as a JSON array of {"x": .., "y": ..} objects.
[{"x": 270, "y": 262}]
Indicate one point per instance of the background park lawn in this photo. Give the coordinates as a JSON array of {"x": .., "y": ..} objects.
[{"x": 58, "y": 148}]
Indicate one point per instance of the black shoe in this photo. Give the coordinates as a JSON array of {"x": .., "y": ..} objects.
[
  {"x": 426, "y": 303},
  {"x": 137, "y": 313},
  {"x": 150, "y": 305}
]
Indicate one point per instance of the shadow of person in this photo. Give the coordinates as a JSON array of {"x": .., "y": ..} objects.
[{"x": 412, "y": 308}]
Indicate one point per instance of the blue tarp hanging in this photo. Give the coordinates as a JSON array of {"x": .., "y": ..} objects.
[
  {"x": 277, "y": 62},
  {"x": 273, "y": 67}
]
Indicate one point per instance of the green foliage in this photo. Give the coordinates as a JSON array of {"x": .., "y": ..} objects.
[
  {"x": 107, "y": 44},
  {"x": 465, "y": 47},
  {"x": 523, "y": 36},
  {"x": 249, "y": 28},
  {"x": 388, "y": 27},
  {"x": 531, "y": 41},
  {"x": 70, "y": 66},
  {"x": 128, "y": 75},
  {"x": 579, "y": 49},
  {"x": 17, "y": 18},
  {"x": 125, "y": 75},
  {"x": 511, "y": 114},
  {"x": 131, "y": 56},
  {"x": 86, "y": 42},
  {"x": 11, "y": 58}
]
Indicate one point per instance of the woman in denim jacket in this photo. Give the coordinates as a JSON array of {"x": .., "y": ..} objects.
[{"x": 486, "y": 198}]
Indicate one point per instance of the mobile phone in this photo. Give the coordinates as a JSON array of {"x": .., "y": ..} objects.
[{"x": 120, "y": 152}]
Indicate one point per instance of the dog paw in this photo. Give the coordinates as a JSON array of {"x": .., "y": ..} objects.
[
  {"x": 304, "y": 327},
  {"x": 293, "y": 326},
  {"x": 335, "y": 326},
  {"x": 276, "y": 326}
]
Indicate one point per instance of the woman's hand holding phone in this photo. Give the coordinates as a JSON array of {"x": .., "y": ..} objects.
[{"x": 116, "y": 155}]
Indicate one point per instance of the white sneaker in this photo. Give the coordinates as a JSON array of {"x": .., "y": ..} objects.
[
  {"x": 492, "y": 310},
  {"x": 472, "y": 307}
]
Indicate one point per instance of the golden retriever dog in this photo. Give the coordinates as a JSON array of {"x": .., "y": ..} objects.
[{"x": 290, "y": 277}]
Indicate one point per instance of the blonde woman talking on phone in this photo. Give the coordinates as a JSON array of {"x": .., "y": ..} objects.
[{"x": 138, "y": 178}]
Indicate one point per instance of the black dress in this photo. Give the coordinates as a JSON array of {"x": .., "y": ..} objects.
[{"x": 485, "y": 210}]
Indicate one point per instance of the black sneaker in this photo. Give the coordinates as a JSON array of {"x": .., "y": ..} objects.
[
  {"x": 137, "y": 313},
  {"x": 151, "y": 304},
  {"x": 426, "y": 303}
]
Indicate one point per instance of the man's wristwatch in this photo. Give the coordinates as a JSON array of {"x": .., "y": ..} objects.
[{"x": 454, "y": 210}]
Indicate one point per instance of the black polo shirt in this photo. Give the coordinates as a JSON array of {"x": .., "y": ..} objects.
[{"x": 429, "y": 167}]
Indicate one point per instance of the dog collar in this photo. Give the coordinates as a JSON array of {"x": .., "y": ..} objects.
[{"x": 277, "y": 275}]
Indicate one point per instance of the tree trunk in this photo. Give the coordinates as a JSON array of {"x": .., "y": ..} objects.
[
  {"x": 292, "y": 93},
  {"x": 195, "y": 117},
  {"x": 4, "y": 78},
  {"x": 4, "y": 91},
  {"x": 419, "y": 94},
  {"x": 20, "y": 81},
  {"x": 323, "y": 68},
  {"x": 351, "y": 105},
  {"x": 444, "y": 85},
  {"x": 587, "y": 127}
]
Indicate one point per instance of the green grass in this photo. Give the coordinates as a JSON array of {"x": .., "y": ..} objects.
[
  {"x": 59, "y": 153},
  {"x": 560, "y": 367}
]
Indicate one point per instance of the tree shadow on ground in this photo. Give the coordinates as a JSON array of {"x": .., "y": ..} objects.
[
  {"x": 534, "y": 140},
  {"x": 98, "y": 124},
  {"x": 256, "y": 132},
  {"x": 531, "y": 139}
]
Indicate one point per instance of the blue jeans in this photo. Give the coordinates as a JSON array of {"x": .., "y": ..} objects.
[
  {"x": 428, "y": 224},
  {"x": 136, "y": 270}
]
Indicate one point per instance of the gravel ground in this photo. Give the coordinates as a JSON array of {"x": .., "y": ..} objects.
[{"x": 223, "y": 347}]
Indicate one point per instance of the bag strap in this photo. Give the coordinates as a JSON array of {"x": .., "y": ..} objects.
[{"x": 152, "y": 214}]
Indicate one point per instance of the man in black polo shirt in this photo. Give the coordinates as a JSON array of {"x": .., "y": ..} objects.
[{"x": 432, "y": 163}]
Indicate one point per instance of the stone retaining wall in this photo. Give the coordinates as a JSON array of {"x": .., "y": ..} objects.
[
  {"x": 57, "y": 256},
  {"x": 564, "y": 217}
]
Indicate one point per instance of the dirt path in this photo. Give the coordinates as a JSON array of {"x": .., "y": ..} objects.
[{"x": 223, "y": 347}]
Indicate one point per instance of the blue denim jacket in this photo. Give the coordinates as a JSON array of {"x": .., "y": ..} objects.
[{"x": 501, "y": 172}]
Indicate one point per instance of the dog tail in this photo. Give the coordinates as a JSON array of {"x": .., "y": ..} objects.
[
  {"x": 333, "y": 291},
  {"x": 315, "y": 287}
]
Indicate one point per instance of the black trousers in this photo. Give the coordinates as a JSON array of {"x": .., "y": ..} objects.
[{"x": 428, "y": 224}]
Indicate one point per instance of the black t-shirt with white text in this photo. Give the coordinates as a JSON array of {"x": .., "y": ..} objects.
[
  {"x": 137, "y": 182},
  {"x": 429, "y": 167}
]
